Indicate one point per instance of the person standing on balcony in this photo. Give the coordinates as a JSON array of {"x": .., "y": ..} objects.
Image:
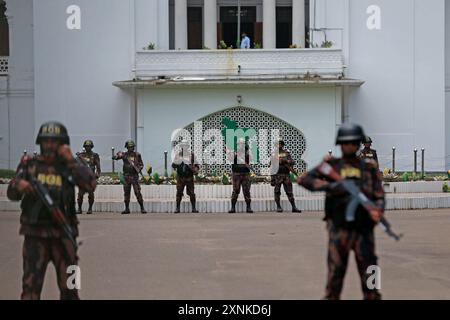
[{"x": 245, "y": 43}]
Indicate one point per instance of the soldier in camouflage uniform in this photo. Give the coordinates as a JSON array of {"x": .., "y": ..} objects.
[
  {"x": 92, "y": 160},
  {"x": 357, "y": 235},
  {"x": 132, "y": 165},
  {"x": 367, "y": 152},
  {"x": 58, "y": 172},
  {"x": 285, "y": 166},
  {"x": 186, "y": 168},
  {"x": 241, "y": 175}
]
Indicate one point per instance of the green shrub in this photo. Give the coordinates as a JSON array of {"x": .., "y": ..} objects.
[
  {"x": 445, "y": 187},
  {"x": 7, "y": 174}
]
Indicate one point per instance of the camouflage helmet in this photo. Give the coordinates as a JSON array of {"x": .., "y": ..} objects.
[
  {"x": 53, "y": 130},
  {"x": 130, "y": 143},
  {"x": 350, "y": 133},
  {"x": 367, "y": 139},
  {"x": 88, "y": 143}
]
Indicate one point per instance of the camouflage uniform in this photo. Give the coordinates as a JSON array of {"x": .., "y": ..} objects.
[
  {"x": 241, "y": 178},
  {"x": 282, "y": 178},
  {"x": 92, "y": 160},
  {"x": 346, "y": 236},
  {"x": 131, "y": 177},
  {"x": 185, "y": 178},
  {"x": 44, "y": 240},
  {"x": 369, "y": 153}
]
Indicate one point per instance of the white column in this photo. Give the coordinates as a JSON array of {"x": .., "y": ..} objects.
[
  {"x": 163, "y": 24},
  {"x": 298, "y": 23},
  {"x": 210, "y": 24},
  {"x": 181, "y": 24},
  {"x": 269, "y": 24}
]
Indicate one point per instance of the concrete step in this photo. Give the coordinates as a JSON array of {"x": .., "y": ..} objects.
[{"x": 217, "y": 205}]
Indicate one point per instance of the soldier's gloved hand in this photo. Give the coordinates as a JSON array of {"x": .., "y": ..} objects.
[
  {"x": 24, "y": 186},
  {"x": 65, "y": 153},
  {"x": 375, "y": 215}
]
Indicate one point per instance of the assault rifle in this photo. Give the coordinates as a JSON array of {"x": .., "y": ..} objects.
[
  {"x": 56, "y": 214},
  {"x": 358, "y": 198}
]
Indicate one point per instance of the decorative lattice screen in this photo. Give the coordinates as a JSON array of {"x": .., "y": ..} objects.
[{"x": 250, "y": 118}]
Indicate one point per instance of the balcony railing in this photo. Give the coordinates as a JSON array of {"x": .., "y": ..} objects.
[
  {"x": 265, "y": 63},
  {"x": 4, "y": 66}
]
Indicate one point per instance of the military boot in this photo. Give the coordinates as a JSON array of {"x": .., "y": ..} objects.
[
  {"x": 233, "y": 206},
  {"x": 89, "y": 210},
  {"x": 127, "y": 208},
  {"x": 193, "y": 203},
  {"x": 249, "y": 208},
  {"x": 279, "y": 208},
  {"x": 177, "y": 210},
  {"x": 80, "y": 210},
  {"x": 143, "y": 211},
  {"x": 294, "y": 207}
]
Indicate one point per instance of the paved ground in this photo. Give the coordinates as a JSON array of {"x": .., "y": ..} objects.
[{"x": 221, "y": 256}]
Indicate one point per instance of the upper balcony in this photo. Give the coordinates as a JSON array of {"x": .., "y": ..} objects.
[{"x": 258, "y": 66}]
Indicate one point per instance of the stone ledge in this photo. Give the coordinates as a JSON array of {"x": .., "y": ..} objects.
[{"x": 218, "y": 205}]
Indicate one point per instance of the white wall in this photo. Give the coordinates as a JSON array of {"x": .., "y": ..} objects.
[
  {"x": 152, "y": 23},
  {"x": 74, "y": 70},
  {"x": 16, "y": 90},
  {"x": 314, "y": 111},
  {"x": 447, "y": 80},
  {"x": 402, "y": 102}
]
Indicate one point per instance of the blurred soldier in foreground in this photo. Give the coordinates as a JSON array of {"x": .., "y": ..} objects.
[
  {"x": 186, "y": 168},
  {"x": 46, "y": 185},
  {"x": 92, "y": 160},
  {"x": 349, "y": 228},
  {"x": 132, "y": 167}
]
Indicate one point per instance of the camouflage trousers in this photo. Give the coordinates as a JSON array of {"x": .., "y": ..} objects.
[
  {"x": 81, "y": 194},
  {"x": 284, "y": 180},
  {"x": 238, "y": 181},
  {"x": 341, "y": 242},
  {"x": 189, "y": 184},
  {"x": 37, "y": 253},
  {"x": 132, "y": 180}
]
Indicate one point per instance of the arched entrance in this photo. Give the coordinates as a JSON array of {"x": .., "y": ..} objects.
[{"x": 248, "y": 118}]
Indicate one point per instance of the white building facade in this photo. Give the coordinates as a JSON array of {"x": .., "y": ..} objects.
[{"x": 83, "y": 62}]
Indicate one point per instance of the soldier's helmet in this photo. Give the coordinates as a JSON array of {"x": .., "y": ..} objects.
[
  {"x": 367, "y": 139},
  {"x": 88, "y": 143},
  {"x": 130, "y": 144},
  {"x": 53, "y": 130},
  {"x": 350, "y": 133}
]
